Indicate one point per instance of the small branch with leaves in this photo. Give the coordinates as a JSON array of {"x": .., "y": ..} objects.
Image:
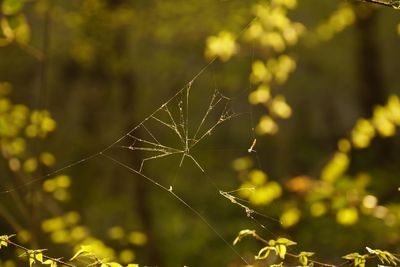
[
  {"x": 37, "y": 256},
  {"x": 33, "y": 255},
  {"x": 280, "y": 247}
]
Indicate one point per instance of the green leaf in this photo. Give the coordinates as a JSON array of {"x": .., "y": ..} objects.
[
  {"x": 16, "y": 28},
  {"x": 4, "y": 240},
  {"x": 11, "y": 7},
  {"x": 50, "y": 262},
  {"x": 303, "y": 257},
  {"x": 242, "y": 234},
  {"x": 83, "y": 250},
  {"x": 35, "y": 255},
  {"x": 132, "y": 265},
  {"x": 303, "y": 260},
  {"x": 263, "y": 253},
  {"x": 39, "y": 256},
  {"x": 357, "y": 259},
  {"x": 3, "y": 243},
  {"x": 383, "y": 256},
  {"x": 281, "y": 250},
  {"x": 285, "y": 241},
  {"x": 351, "y": 256},
  {"x": 31, "y": 261}
]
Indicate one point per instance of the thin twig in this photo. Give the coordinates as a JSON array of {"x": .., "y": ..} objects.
[
  {"x": 257, "y": 237},
  {"x": 394, "y": 4},
  {"x": 33, "y": 51}
]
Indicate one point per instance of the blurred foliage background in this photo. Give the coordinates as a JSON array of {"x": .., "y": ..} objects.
[{"x": 315, "y": 150}]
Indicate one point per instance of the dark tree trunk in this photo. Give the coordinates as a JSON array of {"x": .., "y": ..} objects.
[{"x": 371, "y": 88}]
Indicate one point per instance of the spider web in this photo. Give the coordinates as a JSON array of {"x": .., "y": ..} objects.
[
  {"x": 173, "y": 132},
  {"x": 168, "y": 131}
]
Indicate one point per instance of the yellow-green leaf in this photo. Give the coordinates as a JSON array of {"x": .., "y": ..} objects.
[
  {"x": 336, "y": 167},
  {"x": 263, "y": 253},
  {"x": 242, "y": 234},
  {"x": 285, "y": 241},
  {"x": 351, "y": 256},
  {"x": 281, "y": 250},
  {"x": 303, "y": 257},
  {"x": 11, "y": 7},
  {"x": 39, "y": 257},
  {"x": 4, "y": 240},
  {"x": 50, "y": 262},
  {"x": 16, "y": 28},
  {"x": 357, "y": 259},
  {"x": 223, "y": 46},
  {"x": 83, "y": 250},
  {"x": 384, "y": 256}
]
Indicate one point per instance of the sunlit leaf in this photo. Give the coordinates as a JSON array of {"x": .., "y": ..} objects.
[
  {"x": 259, "y": 72},
  {"x": 382, "y": 123},
  {"x": 356, "y": 258},
  {"x": 260, "y": 96},
  {"x": 280, "y": 108},
  {"x": 263, "y": 194},
  {"x": 4, "y": 240},
  {"x": 285, "y": 241},
  {"x": 281, "y": 250},
  {"x": 393, "y": 108},
  {"x": 47, "y": 159},
  {"x": 11, "y": 7},
  {"x": 113, "y": 264},
  {"x": 303, "y": 257},
  {"x": 52, "y": 263},
  {"x": 137, "y": 238},
  {"x": 336, "y": 167},
  {"x": 30, "y": 165},
  {"x": 266, "y": 125},
  {"x": 17, "y": 28},
  {"x": 347, "y": 216},
  {"x": 82, "y": 250},
  {"x": 344, "y": 145},
  {"x": 384, "y": 256},
  {"x": 362, "y": 133},
  {"x": 35, "y": 255},
  {"x": 290, "y": 217},
  {"x": 223, "y": 46},
  {"x": 126, "y": 256},
  {"x": 242, "y": 234},
  {"x": 39, "y": 256},
  {"x": 263, "y": 253}
]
